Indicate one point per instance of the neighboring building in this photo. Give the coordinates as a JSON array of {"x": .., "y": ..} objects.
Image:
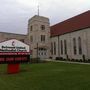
[
  {"x": 71, "y": 38},
  {"x": 39, "y": 36},
  {"x": 7, "y": 36}
]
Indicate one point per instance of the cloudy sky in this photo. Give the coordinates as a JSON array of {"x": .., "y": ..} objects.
[{"x": 14, "y": 14}]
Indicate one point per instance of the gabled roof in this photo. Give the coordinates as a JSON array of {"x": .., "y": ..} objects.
[{"x": 73, "y": 24}]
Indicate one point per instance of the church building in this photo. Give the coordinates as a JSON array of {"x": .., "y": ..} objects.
[{"x": 69, "y": 39}]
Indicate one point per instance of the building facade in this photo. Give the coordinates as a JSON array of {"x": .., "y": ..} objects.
[{"x": 74, "y": 45}]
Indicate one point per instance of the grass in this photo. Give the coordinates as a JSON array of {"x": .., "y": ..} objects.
[{"x": 47, "y": 76}]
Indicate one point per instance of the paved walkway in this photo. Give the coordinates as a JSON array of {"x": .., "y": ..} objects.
[{"x": 67, "y": 61}]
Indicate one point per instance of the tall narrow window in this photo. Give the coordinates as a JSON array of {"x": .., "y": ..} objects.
[
  {"x": 51, "y": 48},
  {"x": 65, "y": 46},
  {"x": 31, "y": 38},
  {"x": 31, "y": 28},
  {"x": 74, "y": 46},
  {"x": 61, "y": 47},
  {"x": 79, "y": 45},
  {"x": 42, "y": 38},
  {"x": 54, "y": 48}
]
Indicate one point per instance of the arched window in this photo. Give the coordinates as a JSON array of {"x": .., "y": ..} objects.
[
  {"x": 61, "y": 47},
  {"x": 65, "y": 46},
  {"x": 79, "y": 45},
  {"x": 51, "y": 48},
  {"x": 74, "y": 46},
  {"x": 54, "y": 48}
]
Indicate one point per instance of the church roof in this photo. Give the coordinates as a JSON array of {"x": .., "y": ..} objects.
[{"x": 70, "y": 25}]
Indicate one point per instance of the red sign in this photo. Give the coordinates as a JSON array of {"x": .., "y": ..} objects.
[{"x": 14, "y": 57}]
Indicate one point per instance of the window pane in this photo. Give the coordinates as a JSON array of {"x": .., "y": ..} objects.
[
  {"x": 79, "y": 45},
  {"x": 42, "y": 27},
  {"x": 54, "y": 48},
  {"x": 65, "y": 46},
  {"x": 51, "y": 48},
  {"x": 61, "y": 47},
  {"x": 31, "y": 38},
  {"x": 31, "y": 28},
  {"x": 42, "y": 38},
  {"x": 74, "y": 46}
]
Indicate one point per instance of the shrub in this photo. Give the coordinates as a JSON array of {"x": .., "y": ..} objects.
[
  {"x": 50, "y": 57},
  {"x": 89, "y": 60},
  {"x": 37, "y": 60},
  {"x": 34, "y": 60},
  {"x": 59, "y": 58}
]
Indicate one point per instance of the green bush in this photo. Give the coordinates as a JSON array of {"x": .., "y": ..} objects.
[{"x": 37, "y": 60}]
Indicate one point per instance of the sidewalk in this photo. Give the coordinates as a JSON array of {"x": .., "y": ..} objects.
[{"x": 52, "y": 60}]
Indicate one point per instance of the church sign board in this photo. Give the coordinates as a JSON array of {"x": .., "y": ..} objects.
[{"x": 14, "y": 52}]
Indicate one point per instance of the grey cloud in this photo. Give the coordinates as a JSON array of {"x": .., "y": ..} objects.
[{"x": 14, "y": 15}]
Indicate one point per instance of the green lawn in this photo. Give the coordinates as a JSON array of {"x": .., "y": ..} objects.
[{"x": 47, "y": 76}]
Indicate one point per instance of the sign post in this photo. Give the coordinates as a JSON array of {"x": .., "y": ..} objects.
[
  {"x": 13, "y": 68},
  {"x": 14, "y": 52}
]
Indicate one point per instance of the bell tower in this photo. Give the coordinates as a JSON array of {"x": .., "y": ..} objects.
[{"x": 39, "y": 36}]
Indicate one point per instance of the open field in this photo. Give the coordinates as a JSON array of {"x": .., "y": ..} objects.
[{"x": 47, "y": 76}]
